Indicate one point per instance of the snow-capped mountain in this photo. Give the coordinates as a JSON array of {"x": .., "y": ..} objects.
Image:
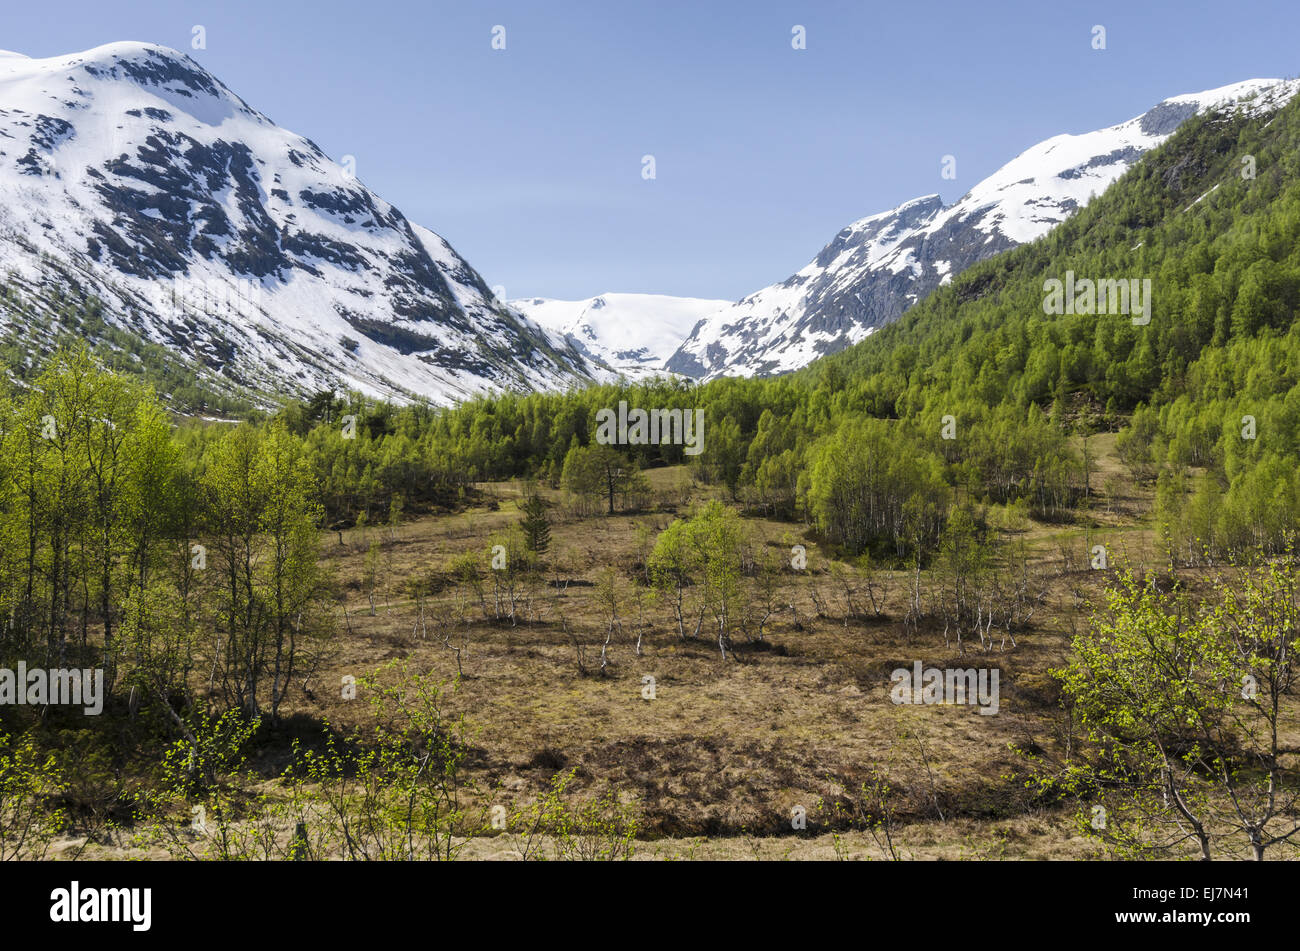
[
  {"x": 632, "y": 334},
  {"x": 879, "y": 266},
  {"x": 130, "y": 174}
]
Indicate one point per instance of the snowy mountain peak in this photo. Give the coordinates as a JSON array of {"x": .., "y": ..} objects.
[
  {"x": 157, "y": 70},
  {"x": 131, "y": 174}
]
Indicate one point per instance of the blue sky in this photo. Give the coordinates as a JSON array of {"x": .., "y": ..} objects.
[{"x": 528, "y": 159}]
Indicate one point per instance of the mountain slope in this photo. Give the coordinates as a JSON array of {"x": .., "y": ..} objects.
[
  {"x": 131, "y": 175},
  {"x": 632, "y": 334},
  {"x": 1222, "y": 252},
  {"x": 879, "y": 266}
]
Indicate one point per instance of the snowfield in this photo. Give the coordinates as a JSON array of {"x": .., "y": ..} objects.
[{"x": 633, "y": 334}]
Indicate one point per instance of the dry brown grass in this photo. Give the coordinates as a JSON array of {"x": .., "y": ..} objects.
[
  {"x": 726, "y": 749},
  {"x": 717, "y": 761}
]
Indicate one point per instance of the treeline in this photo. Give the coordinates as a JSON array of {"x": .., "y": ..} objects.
[
  {"x": 130, "y": 544},
  {"x": 779, "y": 446}
]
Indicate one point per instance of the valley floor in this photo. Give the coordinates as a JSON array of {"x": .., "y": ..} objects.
[{"x": 724, "y": 756}]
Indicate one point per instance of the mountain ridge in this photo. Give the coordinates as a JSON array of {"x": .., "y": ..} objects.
[
  {"x": 878, "y": 266},
  {"x": 200, "y": 224}
]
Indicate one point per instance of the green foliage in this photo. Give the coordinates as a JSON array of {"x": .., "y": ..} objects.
[
  {"x": 536, "y": 525},
  {"x": 711, "y": 549},
  {"x": 599, "y": 474},
  {"x": 398, "y": 795},
  {"x": 257, "y": 491},
  {"x": 1180, "y": 709},
  {"x": 603, "y": 828},
  {"x": 128, "y": 544},
  {"x": 865, "y": 488},
  {"x": 29, "y": 783}
]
